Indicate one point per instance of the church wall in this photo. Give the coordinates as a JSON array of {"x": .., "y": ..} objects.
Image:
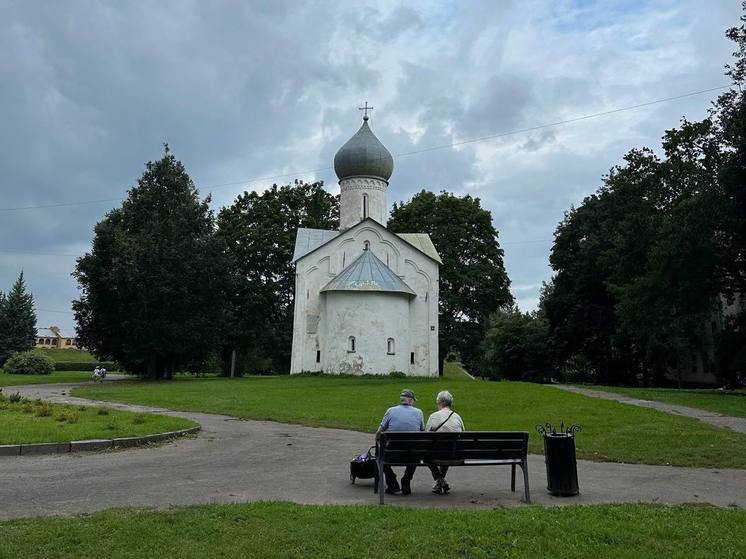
[
  {"x": 371, "y": 319},
  {"x": 311, "y": 321},
  {"x": 351, "y": 200}
]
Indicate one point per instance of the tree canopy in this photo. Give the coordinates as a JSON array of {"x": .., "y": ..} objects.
[
  {"x": 473, "y": 280},
  {"x": 154, "y": 283},
  {"x": 258, "y": 231}
]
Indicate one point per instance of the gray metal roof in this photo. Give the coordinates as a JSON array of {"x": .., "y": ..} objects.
[
  {"x": 308, "y": 240},
  {"x": 423, "y": 243},
  {"x": 368, "y": 273},
  {"x": 363, "y": 156}
]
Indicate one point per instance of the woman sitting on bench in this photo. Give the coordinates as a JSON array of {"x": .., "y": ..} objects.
[{"x": 443, "y": 420}]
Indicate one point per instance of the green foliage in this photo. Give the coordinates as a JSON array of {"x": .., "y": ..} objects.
[
  {"x": 643, "y": 265},
  {"x": 473, "y": 280},
  {"x": 85, "y": 365},
  {"x": 287, "y": 530},
  {"x": 517, "y": 346},
  {"x": 17, "y": 320},
  {"x": 154, "y": 284},
  {"x": 32, "y": 362},
  {"x": 259, "y": 233}
]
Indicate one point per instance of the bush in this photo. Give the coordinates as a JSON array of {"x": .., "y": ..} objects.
[
  {"x": 87, "y": 366},
  {"x": 44, "y": 409},
  {"x": 32, "y": 362}
]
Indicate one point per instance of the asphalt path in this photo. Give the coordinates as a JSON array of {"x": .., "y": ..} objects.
[{"x": 235, "y": 460}]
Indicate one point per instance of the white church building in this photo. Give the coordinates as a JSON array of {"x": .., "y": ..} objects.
[{"x": 366, "y": 299}]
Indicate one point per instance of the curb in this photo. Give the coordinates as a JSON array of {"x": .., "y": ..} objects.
[{"x": 91, "y": 444}]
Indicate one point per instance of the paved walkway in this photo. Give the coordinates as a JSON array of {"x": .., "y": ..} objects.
[
  {"x": 711, "y": 417},
  {"x": 237, "y": 461}
]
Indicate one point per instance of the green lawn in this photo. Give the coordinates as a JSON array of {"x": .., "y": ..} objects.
[
  {"x": 55, "y": 378},
  {"x": 41, "y": 422},
  {"x": 611, "y": 431},
  {"x": 280, "y": 530},
  {"x": 731, "y": 403},
  {"x": 452, "y": 369},
  {"x": 70, "y": 356}
]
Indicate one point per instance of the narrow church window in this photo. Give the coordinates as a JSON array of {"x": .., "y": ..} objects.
[
  {"x": 366, "y": 245},
  {"x": 365, "y": 206},
  {"x": 308, "y": 293},
  {"x": 390, "y": 348},
  {"x": 318, "y": 356},
  {"x": 411, "y": 358},
  {"x": 343, "y": 259},
  {"x": 351, "y": 345}
]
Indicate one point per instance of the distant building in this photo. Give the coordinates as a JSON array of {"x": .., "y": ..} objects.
[{"x": 54, "y": 338}]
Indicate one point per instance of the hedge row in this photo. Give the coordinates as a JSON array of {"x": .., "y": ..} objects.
[{"x": 86, "y": 366}]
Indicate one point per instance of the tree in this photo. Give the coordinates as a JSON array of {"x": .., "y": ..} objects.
[
  {"x": 473, "y": 280},
  {"x": 517, "y": 346},
  {"x": 259, "y": 232},
  {"x": 153, "y": 286},
  {"x": 17, "y": 320}
]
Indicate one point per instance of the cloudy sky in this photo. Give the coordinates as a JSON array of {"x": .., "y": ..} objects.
[{"x": 242, "y": 91}]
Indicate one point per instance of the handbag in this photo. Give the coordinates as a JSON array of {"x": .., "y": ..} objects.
[{"x": 363, "y": 466}]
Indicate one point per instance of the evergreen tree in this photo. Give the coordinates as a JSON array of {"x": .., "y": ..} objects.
[
  {"x": 17, "y": 320},
  {"x": 154, "y": 284}
]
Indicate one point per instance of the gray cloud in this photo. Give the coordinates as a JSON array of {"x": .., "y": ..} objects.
[{"x": 89, "y": 91}]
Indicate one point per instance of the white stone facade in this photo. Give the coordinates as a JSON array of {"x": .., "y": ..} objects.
[
  {"x": 361, "y": 197},
  {"x": 392, "y": 331}
]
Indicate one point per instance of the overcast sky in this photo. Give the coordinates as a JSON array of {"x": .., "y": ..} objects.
[{"x": 241, "y": 90}]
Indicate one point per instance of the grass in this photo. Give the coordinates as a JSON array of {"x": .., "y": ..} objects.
[
  {"x": 611, "y": 431},
  {"x": 35, "y": 421},
  {"x": 281, "y": 530},
  {"x": 70, "y": 356},
  {"x": 452, "y": 369},
  {"x": 56, "y": 377},
  {"x": 731, "y": 402}
]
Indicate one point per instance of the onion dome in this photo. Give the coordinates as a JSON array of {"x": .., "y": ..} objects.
[{"x": 363, "y": 156}]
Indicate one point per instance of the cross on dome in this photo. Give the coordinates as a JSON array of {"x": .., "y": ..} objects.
[{"x": 365, "y": 110}]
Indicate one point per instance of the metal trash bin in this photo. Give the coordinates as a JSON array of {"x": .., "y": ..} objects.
[{"x": 559, "y": 456}]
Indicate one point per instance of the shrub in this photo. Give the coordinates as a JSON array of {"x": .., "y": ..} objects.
[
  {"x": 15, "y": 398},
  {"x": 86, "y": 366},
  {"x": 102, "y": 411},
  {"x": 69, "y": 416},
  {"x": 32, "y": 362},
  {"x": 397, "y": 374},
  {"x": 44, "y": 409}
]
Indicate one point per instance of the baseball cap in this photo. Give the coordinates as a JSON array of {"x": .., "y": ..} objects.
[{"x": 406, "y": 393}]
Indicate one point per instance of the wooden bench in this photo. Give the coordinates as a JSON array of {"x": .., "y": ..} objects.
[{"x": 466, "y": 448}]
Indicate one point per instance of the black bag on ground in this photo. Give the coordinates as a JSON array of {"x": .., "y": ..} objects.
[{"x": 363, "y": 466}]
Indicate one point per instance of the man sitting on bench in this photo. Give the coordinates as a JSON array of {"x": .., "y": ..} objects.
[{"x": 404, "y": 417}]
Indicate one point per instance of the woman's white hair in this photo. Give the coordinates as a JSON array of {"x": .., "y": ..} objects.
[{"x": 445, "y": 398}]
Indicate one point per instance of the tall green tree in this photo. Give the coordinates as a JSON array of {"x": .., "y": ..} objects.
[
  {"x": 153, "y": 287},
  {"x": 258, "y": 231},
  {"x": 17, "y": 320},
  {"x": 517, "y": 346},
  {"x": 473, "y": 280}
]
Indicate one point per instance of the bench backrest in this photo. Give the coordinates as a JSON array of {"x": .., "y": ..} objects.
[{"x": 413, "y": 447}]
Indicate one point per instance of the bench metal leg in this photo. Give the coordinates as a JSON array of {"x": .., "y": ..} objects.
[
  {"x": 381, "y": 482},
  {"x": 526, "y": 494},
  {"x": 512, "y": 478}
]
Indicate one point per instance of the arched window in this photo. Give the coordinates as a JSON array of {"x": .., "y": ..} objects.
[
  {"x": 390, "y": 346},
  {"x": 365, "y": 206},
  {"x": 366, "y": 245},
  {"x": 351, "y": 344}
]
